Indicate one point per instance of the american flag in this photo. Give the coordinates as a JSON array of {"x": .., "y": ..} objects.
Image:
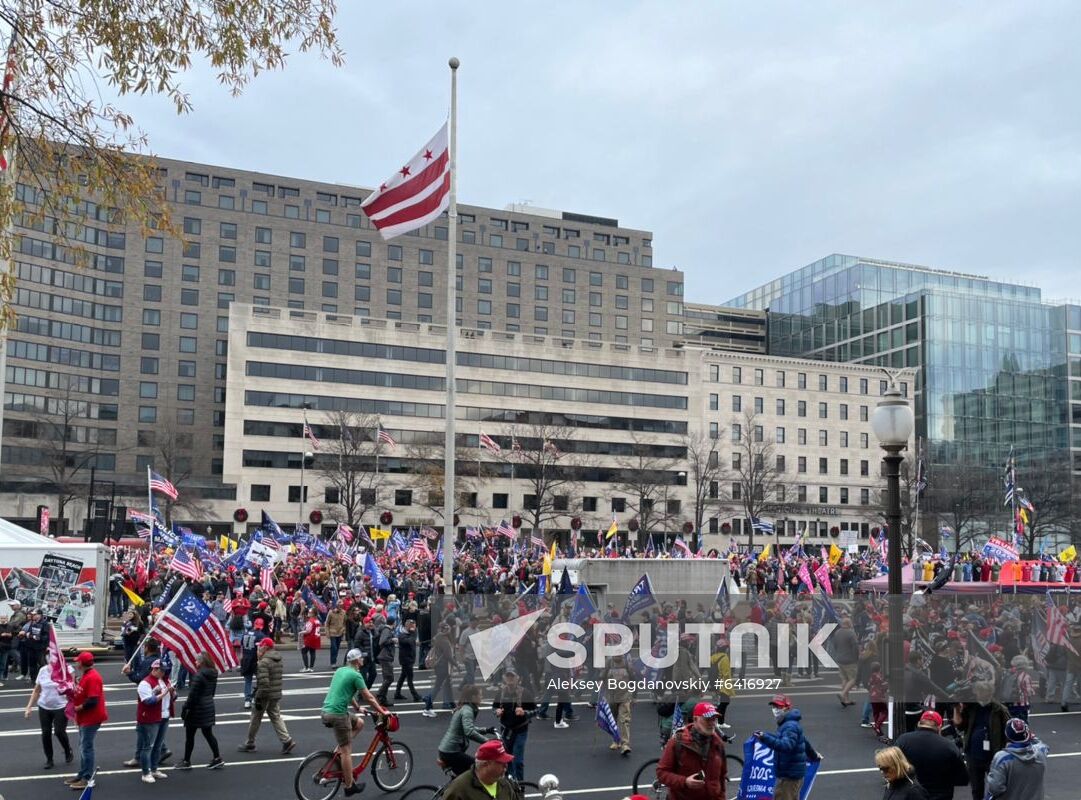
[
  {"x": 386, "y": 438},
  {"x": 489, "y": 444},
  {"x": 140, "y": 517},
  {"x": 506, "y": 530},
  {"x": 227, "y": 603},
  {"x": 187, "y": 627},
  {"x": 187, "y": 565},
  {"x": 1056, "y": 626},
  {"x": 344, "y": 532},
  {"x": 160, "y": 484},
  {"x": 266, "y": 580},
  {"x": 419, "y": 550},
  {"x": 416, "y": 194},
  {"x": 537, "y": 540},
  {"x": 144, "y": 533},
  {"x": 472, "y": 533},
  {"x": 310, "y": 435}
]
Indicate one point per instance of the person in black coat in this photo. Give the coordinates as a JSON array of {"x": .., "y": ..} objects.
[
  {"x": 407, "y": 659},
  {"x": 900, "y": 777},
  {"x": 938, "y": 763},
  {"x": 199, "y": 713}
]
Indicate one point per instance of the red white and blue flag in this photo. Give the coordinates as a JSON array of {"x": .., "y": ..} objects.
[
  {"x": 266, "y": 580},
  {"x": 187, "y": 627},
  {"x": 163, "y": 485},
  {"x": 187, "y": 565},
  {"x": 310, "y": 436},
  {"x": 489, "y": 444},
  {"x": 506, "y": 530},
  {"x": 386, "y": 438},
  {"x": 416, "y": 194}
]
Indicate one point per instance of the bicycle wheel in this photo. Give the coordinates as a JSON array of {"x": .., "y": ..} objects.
[
  {"x": 423, "y": 792},
  {"x": 317, "y": 778},
  {"x": 734, "y": 765},
  {"x": 393, "y": 766},
  {"x": 646, "y": 783}
]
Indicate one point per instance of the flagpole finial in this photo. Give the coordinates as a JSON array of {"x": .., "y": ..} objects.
[{"x": 454, "y": 62}]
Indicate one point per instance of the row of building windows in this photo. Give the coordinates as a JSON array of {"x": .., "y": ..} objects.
[
  {"x": 59, "y": 406},
  {"x": 570, "y": 394},
  {"x": 780, "y": 435},
  {"x": 780, "y": 376},
  {"x": 571, "y": 420},
  {"x": 781, "y": 405},
  {"x": 66, "y": 330},
  {"x": 65, "y": 381},
  {"x": 68, "y": 356},
  {"x": 57, "y": 304},
  {"x": 843, "y": 494},
  {"x": 310, "y": 344},
  {"x": 355, "y": 377},
  {"x": 573, "y": 368},
  {"x": 76, "y": 282},
  {"x": 49, "y": 432},
  {"x": 359, "y": 405},
  {"x": 73, "y": 231},
  {"x": 29, "y": 246}
]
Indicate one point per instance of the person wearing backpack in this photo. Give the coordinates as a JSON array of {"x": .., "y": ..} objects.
[
  {"x": 692, "y": 765},
  {"x": 439, "y": 659}
]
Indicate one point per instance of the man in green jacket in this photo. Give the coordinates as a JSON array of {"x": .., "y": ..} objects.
[{"x": 268, "y": 696}]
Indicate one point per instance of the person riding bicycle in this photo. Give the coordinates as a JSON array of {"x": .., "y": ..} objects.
[
  {"x": 487, "y": 780},
  {"x": 454, "y": 746},
  {"x": 692, "y": 765},
  {"x": 346, "y": 684}
]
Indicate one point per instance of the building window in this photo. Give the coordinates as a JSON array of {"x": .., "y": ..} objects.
[
  {"x": 801, "y": 408},
  {"x": 188, "y": 344},
  {"x": 778, "y": 436},
  {"x": 714, "y": 402},
  {"x": 148, "y": 390},
  {"x": 714, "y": 430},
  {"x": 294, "y": 494},
  {"x": 737, "y": 403},
  {"x": 330, "y": 244},
  {"x": 394, "y": 297},
  {"x": 865, "y": 497},
  {"x": 737, "y": 433},
  {"x": 619, "y": 505},
  {"x": 151, "y": 341},
  {"x": 260, "y": 492},
  {"x": 801, "y": 464},
  {"x": 823, "y": 383},
  {"x": 863, "y": 413},
  {"x": 801, "y": 436},
  {"x": 759, "y": 405},
  {"x": 737, "y": 375},
  {"x": 823, "y": 466},
  {"x": 185, "y": 392},
  {"x": 330, "y": 289},
  {"x": 823, "y": 494},
  {"x": 865, "y": 468},
  {"x": 780, "y": 379},
  {"x": 842, "y": 410},
  {"x": 403, "y": 497},
  {"x": 780, "y": 407},
  {"x": 484, "y": 307},
  {"x": 148, "y": 414},
  {"x": 823, "y": 411},
  {"x": 737, "y": 491},
  {"x": 844, "y": 495},
  {"x": 823, "y": 438},
  {"x": 801, "y": 380},
  {"x": 296, "y": 286}
]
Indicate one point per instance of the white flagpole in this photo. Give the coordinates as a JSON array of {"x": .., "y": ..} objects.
[
  {"x": 150, "y": 511},
  {"x": 449, "y": 530}
]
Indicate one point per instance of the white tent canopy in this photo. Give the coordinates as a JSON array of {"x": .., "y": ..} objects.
[{"x": 10, "y": 533}]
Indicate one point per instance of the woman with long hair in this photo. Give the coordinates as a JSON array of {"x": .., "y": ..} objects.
[
  {"x": 454, "y": 746},
  {"x": 199, "y": 712},
  {"x": 310, "y": 640},
  {"x": 51, "y": 714}
]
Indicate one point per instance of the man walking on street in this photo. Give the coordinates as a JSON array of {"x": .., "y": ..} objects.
[
  {"x": 268, "y": 695},
  {"x": 791, "y": 749},
  {"x": 384, "y": 656},
  {"x": 407, "y": 659},
  {"x": 692, "y": 764},
  {"x": 939, "y": 764}
]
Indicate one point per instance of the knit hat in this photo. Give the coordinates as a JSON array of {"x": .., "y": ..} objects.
[{"x": 1017, "y": 731}]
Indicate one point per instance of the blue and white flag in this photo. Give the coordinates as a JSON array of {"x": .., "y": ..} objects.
[
  {"x": 724, "y": 600},
  {"x": 945, "y": 532},
  {"x": 606, "y": 720},
  {"x": 268, "y": 524},
  {"x": 373, "y": 571},
  {"x": 640, "y": 598},
  {"x": 823, "y": 611},
  {"x": 761, "y": 525},
  {"x": 677, "y": 717},
  {"x": 584, "y": 607},
  {"x": 759, "y": 774}
]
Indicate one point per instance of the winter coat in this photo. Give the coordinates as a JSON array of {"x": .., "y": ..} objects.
[
  {"x": 939, "y": 764},
  {"x": 684, "y": 750},
  {"x": 791, "y": 749},
  {"x": 407, "y": 648},
  {"x": 384, "y": 653},
  {"x": 269, "y": 680},
  {"x": 335, "y": 623},
  {"x": 1017, "y": 772},
  {"x": 906, "y": 788},
  {"x": 462, "y": 730},
  {"x": 198, "y": 711}
]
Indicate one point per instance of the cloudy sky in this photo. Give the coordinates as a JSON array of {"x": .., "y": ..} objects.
[{"x": 751, "y": 138}]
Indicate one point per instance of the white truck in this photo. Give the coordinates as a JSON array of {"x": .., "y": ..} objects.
[{"x": 70, "y": 582}]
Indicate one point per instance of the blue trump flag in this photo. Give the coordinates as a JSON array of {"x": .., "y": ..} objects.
[
  {"x": 760, "y": 777},
  {"x": 640, "y": 598},
  {"x": 606, "y": 720},
  {"x": 584, "y": 607},
  {"x": 372, "y": 570},
  {"x": 268, "y": 524},
  {"x": 724, "y": 600}
]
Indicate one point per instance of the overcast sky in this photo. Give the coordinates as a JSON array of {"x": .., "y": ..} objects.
[{"x": 751, "y": 138}]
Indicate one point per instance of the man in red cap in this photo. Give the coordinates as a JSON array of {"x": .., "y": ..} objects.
[
  {"x": 692, "y": 765},
  {"x": 939, "y": 764},
  {"x": 268, "y": 695},
  {"x": 791, "y": 749},
  {"x": 90, "y": 713},
  {"x": 487, "y": 779}
]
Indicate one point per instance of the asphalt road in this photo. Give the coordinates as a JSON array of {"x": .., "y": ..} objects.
[{"x": 579, "y": 756}]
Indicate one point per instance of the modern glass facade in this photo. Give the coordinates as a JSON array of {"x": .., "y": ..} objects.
[{"x": 991, "y": 356}]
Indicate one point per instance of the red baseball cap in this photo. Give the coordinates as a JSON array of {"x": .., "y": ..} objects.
[
  {"x": 781, "y": 701},
  {"x": 932, "y": 718},
  {"x": 706, "y": 710},
  {"x": 493, "y": 751},
  {"x": 267, "y": 642}
]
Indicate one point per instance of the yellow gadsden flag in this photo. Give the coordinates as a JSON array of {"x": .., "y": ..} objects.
[
  {"x": 134, "y": 598},
  {"x": 765, "y": 552},
  {"x": 223, "y": 544},
  {"x": 376, "y": 534},
  {"x": 612, "y": 529},
  {"x": 552, "y": 553},
  {"x": 1068, "y": 555},
  {"x": 835, "y": 554}
]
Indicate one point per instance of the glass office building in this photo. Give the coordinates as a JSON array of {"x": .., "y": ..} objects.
[{"x": 991, "y": 356}]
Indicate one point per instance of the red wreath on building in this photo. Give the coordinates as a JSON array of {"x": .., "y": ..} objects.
[
  {"x": 386, "y": 518},
  {"x": 240, "y": 515}
]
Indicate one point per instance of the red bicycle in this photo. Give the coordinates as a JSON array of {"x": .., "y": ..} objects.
[{"x": 320, "y": 774}]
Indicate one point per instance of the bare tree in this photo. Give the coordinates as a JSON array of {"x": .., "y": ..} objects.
[
  {"x": 173, "y": 453},
  {"x": 543, "y": 462},
  {"x": 964, "y": 498},
  {"x": 760, "y": 483},
  {"x": 646, "y": 481},
  {"x": 1054, "y": 501},
  {"x": 428, "y": 478},
  {"x": 346, "y": 465},
  {"x": 67, "y": 449},
  {"x": 704, "y": 475}
]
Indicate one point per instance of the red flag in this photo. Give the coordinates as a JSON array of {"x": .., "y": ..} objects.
[
  {"x": 823, "y": 575},
  {"x": 416, "y": 194}
]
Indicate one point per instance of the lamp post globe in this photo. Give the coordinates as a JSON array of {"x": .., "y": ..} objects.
[{"x": 893, "y": 423}]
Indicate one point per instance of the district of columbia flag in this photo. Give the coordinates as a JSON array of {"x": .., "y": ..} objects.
[
  {"x": 416, "y": 194},
  {"x": 489, "y": 444}
]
